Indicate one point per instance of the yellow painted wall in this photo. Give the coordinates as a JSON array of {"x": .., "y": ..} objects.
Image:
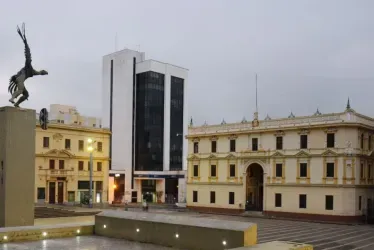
[
  {"x": 57, "y": 134},
  {"x": 317, "y": 155}
]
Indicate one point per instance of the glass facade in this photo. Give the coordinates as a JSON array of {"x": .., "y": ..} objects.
[
  {"x": 176, "y": 122},
  {"x": 149, "y": 126}
]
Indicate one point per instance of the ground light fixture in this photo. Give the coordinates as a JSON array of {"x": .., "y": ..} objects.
[
  {"x": 44, "y": 234},
  {"x": 137, "y": 230},
  {"x": 104, "y": 226},
  {"x": 78, "y": 231},
  {"x": 5, "y": 237},
  {"x": 224, "y": 243},
  {"x": 177, "y": 236}
]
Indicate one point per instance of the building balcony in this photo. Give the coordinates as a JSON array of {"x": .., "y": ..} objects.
[
  {"x": 87, "y": 174},
  {"x": 56, "y": 172}
]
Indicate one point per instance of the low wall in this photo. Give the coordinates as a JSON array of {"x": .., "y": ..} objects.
[
  {"x": 32, "y": 233},
  {"x": 277, "y": 245},
  {"x": 182, "y": 232}
]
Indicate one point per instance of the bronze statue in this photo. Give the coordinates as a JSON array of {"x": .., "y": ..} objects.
[{"x": 17, "y": 82}]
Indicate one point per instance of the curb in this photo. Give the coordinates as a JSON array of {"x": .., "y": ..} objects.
[{"x": 287, "y": 219}]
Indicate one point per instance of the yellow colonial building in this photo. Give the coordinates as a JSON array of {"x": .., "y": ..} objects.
[
  {"x": 62, "y": 163},
  {"x": 313, "y": 167}
]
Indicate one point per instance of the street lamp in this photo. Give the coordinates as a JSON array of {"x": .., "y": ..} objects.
[{"x": 90, "y": 149}]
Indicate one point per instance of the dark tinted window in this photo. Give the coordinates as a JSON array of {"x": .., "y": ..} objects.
[
  {"x": 279, "y": 144},
  {"x": 231, "y": 198},
  {"x": 194, "y": 196},
  {"x": 149, "y": 137},
  {"x": 302, "y": 201},
  {"x": 330, "y": 140},
  {"x": 304, "y": 141},
  {"x": 329, "y": 202},
  {"x": 278, "y": 200},
  {"x": 176, "y": 122}
]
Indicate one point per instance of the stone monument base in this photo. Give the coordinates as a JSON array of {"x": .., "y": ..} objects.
[
  {"x": 181, "y": 232},
  {"x": 17, "y": 166}
]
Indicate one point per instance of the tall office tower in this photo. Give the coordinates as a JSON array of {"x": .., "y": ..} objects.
[{"x": 145, "y": 106}]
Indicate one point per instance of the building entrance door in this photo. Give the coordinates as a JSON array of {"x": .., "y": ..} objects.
[
  {"x": 60, "y": 192},
  {"x": 254, "y": 188},
  {"x": 52, "y": 193}
]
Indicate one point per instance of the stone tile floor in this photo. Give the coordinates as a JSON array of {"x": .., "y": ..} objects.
[{"x": 81, "y": 243}]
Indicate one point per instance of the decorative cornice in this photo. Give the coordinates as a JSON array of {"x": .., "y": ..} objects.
[
  {"x": 331, "y": 130},
  {"x": 302, "y": 154},
  {"x": 214, "y": 138},
  {"x": 57, "y": 137},
  {"x": 279, "y": 133},
  {"x": 304, "y": 131},
  {"x": 233, "y": 136},
  {"x": 196, "y": 139}
]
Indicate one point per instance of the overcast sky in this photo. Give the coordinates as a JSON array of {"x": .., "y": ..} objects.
[{"x": 307, "y": 54}]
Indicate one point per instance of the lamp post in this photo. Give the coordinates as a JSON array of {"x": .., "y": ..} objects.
[{"x": 90, "y": 149}]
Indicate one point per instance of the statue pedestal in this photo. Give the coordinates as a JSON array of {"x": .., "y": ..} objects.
[{"x": 17, "y": 166}]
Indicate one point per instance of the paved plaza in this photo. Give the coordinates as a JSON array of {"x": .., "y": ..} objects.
[
  {"x": 82, "y": 243},
  {"x": 321, "y": 236}
]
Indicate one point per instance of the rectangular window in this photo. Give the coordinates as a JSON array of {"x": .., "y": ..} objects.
[
  {"x": 302, "y": 201},
  {"x": 369, "y": 171},
  {"x": 195, "y": 147},
  {"x": 279, "y": 170},
  {"x": 45, "y": 142},
  {"x": 71, "y": 196},
  {"x": 194, "y": 196},
  {"x": 362, "y": 141},
  {"x": 329, "y": 202},
  {"x": 80, "y": 165},
  {"x": 232, "y": 170},
  {"x": 212, "y": 197},
  {"x": 195, "y": 170},
  {"x": 330, "y": 169},
  {"x": 303, "y": 170},
  {"x": 51, "y": 164},
  {"x": 89, "y": 166},
  {"x": 176, "y": 122},
  {"x": 214, "y": 146},
  {"x": 369, "y": 142},
  {"x": 99, "y": 166},
  {"x": 41, "y": 193},
  {"x": 330, "y": 140},
  {"x": 81, "y": 145},
  {"x": 61, "y": 164},
  {"x": 232, "y": 145},
  {"x": 254, "y": 144},
  {"x": 279, "y": 142},
  {"x": 303, "y": 141},
  {"x": 278, "y": 200},
  {"x": 231, "y": 198},
  {"x": 213, "y": 170},
  {"x": 67, "y": 143},
  {"x": 359, "y": 203},
  {"x": 83, "y": 185},
  {"x": 99, "y": 186},
  {"x": 99, "y": 146},
  {"x": 362, "y": 171}
]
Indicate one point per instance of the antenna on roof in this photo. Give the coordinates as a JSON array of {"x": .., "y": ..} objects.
[
  {"x": 115, "y": 43},
  {"x": 256, "y": 95},
  {"x": 255, "y": 121}
]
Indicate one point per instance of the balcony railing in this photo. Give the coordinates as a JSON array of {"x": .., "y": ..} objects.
[
  {"x": 94, "y": 174},
  {"x": 56, "y": 172}
]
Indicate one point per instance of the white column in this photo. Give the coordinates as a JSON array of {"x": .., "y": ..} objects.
[
  {"x": 167, "y": 120},
  {"x": 110, "y": 190},
  {"x": 185, "y": 125}
]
